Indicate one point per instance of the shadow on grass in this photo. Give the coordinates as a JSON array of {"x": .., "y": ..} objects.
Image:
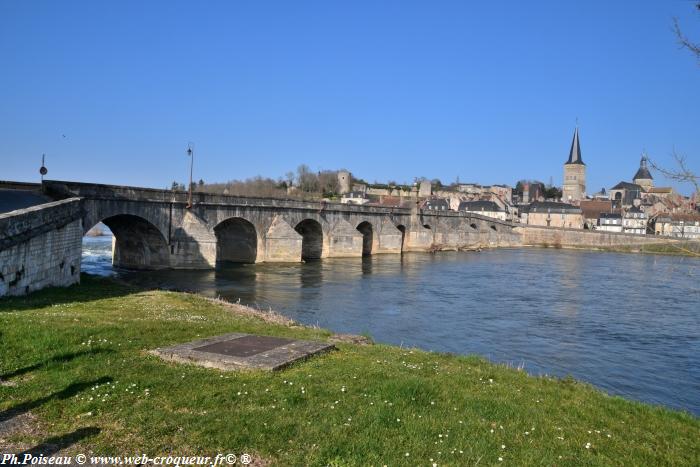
[
  {"x": 69, "y": 391},
  {"x": 57, "y": 443},
  {"x": 91, "y": 288},
  {"x": 62, "y": 358}
]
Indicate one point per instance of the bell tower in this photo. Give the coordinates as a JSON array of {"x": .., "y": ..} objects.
[
  {"x": 643, "y": 177},
  {"x": 574, "y": 189}
]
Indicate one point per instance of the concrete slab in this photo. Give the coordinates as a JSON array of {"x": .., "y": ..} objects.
[{"x": 238, "y": 351}]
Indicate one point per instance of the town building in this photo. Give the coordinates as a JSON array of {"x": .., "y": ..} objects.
[
  {"x": 552, "y": 214},
  {"x": 662, "y": 191},
  {"x": 610, "y": 222},
  {"x": 592, "y": 209},
  {"x": 436, "y": 204},
  {"x": 634, "y": 221},
  {"x": 484, "y": 208},
  {"x": 624, "y": 194},
  {"x": 574, "y": 189},
  {"x": 602, "y": 194},
  {"x": 531, "y": 191},
  {"x": 678, "y": 225},
  {"x": 354, "y": 197}
]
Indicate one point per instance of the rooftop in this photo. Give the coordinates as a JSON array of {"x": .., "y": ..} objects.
[
  {"x": 552, "y": 206},
  {"x": 627, "y": 186},
  {"x": 476, "y": 206},
  {"x": 643, "y": 172}
]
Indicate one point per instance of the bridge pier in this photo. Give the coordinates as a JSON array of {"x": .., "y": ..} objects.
[
  {"x": 345, "y": 241},
  {"x": 390, "y": 238},
  {"x": 193, "y": 245},
  {"x": 282, "y": 243}
]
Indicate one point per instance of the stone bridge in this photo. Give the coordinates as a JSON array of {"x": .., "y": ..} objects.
[{"x": 155, "y": 229}]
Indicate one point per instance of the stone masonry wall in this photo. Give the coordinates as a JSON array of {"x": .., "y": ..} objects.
[
  {"x": 577, "y": 238},
  {"x": 40, "y": 247}
]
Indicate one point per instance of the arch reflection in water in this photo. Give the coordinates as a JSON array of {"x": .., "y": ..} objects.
[
  {"x": 365, "y": 228},
  {"x": 312, "y": 239}
]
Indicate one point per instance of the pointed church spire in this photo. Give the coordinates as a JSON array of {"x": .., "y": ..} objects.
[{"x": 575, "y": 153}]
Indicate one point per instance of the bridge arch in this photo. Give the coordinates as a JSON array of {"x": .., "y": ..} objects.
[
  {"x": 137, "y": 244},
  {"x": 365, "y": 228},
  {"x": 236, "y": 241},
  {"x": 312, "y": 239}
]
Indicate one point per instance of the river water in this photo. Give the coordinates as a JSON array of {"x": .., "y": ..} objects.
[{"x": 629, "y": 324}]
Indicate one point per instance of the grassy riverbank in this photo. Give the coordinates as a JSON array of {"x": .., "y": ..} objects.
[
  {"x": 360, "y": 405},
  {"x": 689, "y": 248},
  {"x": 676, "y": 249}
]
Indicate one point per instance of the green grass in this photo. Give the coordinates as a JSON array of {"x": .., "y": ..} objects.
[
  {"x": 689, "y": 248},
  {"x": 360, "y": 405}
]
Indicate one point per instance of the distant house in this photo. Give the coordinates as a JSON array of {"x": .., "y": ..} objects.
[
  {"x": 678, "y": 225},
  {"x": 436, "y": 204},
  {"x": 484, "y": 208},
  {"x": 592, "y": 210},
  {"x": 634, "y": 221},
  {"x": 552, "y": 214},
  {"x": 532, "y": 191},
  {"x": 354, "y": 197},
  {"x": 392, "y": 202},
  {"x": 610, "y": 222}
]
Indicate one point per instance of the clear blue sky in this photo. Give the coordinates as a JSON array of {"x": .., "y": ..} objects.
[{"x": 487, "y": 91}]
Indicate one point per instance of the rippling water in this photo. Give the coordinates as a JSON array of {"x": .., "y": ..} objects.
[{"x": 629, "y": 324}]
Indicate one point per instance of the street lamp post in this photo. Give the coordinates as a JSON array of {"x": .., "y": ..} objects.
[{"x": 190, "y": 153}]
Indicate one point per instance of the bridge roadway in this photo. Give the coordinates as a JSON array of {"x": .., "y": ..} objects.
[{"x": 154, "y": 229}]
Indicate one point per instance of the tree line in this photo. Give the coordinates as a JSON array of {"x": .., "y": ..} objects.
[{"x": 304, "y": 184}]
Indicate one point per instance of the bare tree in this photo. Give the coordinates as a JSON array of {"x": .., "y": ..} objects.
[
  {"x": 681, "y": 174},
  {"x": 306, "y": 180},
  {"x": 289, "y": 178},
  {"x": 328, "y": 182},
  {"x": 683, "y": 40}
]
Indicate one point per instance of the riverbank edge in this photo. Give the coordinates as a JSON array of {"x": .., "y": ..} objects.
[
  {"x": 274, "y": 317},
  {"x": 689, "y": 249}
]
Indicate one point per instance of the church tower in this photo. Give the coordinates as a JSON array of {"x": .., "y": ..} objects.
[
  {"x": 574, "y": 189},
  {"x": 643, "y": 177}
]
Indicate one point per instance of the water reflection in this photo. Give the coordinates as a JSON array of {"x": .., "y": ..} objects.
[{"x": 626, "y": 323}]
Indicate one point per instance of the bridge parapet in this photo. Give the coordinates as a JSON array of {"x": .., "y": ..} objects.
[
  {"x": 40, "y": 246},
  {"x": 61, "y": 189}
]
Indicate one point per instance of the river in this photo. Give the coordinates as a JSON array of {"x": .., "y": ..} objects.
[{"x": 628, "y": 324}]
